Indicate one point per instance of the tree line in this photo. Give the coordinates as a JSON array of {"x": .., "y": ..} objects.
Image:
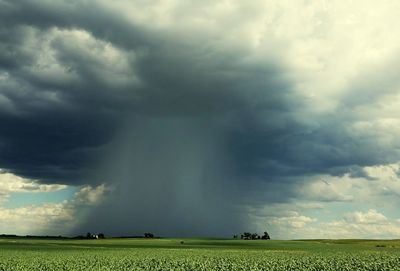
[{"x": 253, "y": 236}]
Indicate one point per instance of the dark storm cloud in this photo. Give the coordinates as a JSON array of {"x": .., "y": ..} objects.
[
  {"x": 46, "y": 139},
  {"x": 176, "y": 81},
  {"x": 178, "y": 109}
]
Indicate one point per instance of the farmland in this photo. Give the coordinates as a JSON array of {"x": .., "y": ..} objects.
[{"x": 198, "y": 254}]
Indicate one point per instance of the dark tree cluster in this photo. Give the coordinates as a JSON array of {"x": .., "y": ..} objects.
[
  {"x": 253, "y": 236},
  {"x": 148, "y": 235},
  {"x": 95, "y": 236}
]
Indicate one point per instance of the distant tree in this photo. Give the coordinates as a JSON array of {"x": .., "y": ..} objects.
[
  {"x": 254, "y": 236},
  {"x": 265, "y": 236},
  {"x": 101, "y": 236},
  {"x": 148, "y": 235},
  {"x": 235, "y": 236},
  {"x": 88, "y": 235},
  {"x": 246, "y": 236}
]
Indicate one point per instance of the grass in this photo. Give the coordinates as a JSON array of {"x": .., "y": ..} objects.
[
  {"x": 198, "y": 254},
  {"x": 176, "y": 243}
]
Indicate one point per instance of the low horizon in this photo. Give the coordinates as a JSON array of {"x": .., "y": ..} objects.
[
  {"x": 200, "y": 118},
  {"x": 83, "y": 237}
]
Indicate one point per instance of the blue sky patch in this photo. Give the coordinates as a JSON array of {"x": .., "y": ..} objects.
[{"x": 22, "y": 199}]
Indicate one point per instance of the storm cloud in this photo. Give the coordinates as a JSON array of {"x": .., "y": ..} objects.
[{"x": 192, "y": 113}]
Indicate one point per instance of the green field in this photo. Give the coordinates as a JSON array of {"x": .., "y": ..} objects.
[{"x": 198, "y": 254}]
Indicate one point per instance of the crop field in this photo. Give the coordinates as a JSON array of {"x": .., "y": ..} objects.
[{"x": 198, "y": 254}]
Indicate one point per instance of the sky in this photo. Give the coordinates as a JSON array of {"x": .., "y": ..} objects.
[{"x": 200, "y": 118}]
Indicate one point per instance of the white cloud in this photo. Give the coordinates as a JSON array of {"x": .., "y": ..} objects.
[
  {"x": 10, "y": 183},
  {"x": 44, "y": 218},
  {"x": 283, "y": 220},
  {"x": 294, "y": 221},
  {"x": 283, "y": 225},
  {"x": 92, "y": 196},
  {"x": 49, "y": 218},
  {"x": 370, "y": 224},
  {"x": 325, "y": 190},
  {"x": 370, "y": 217},
  {"x": 294, "y": 225},
  {"x": 285, "y": 209},
  {"x": 376, "y": 186},
  {"x": 316, "y": 211}
]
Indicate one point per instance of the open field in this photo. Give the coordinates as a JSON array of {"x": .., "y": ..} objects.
[{"x": 198, "y": 254}]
